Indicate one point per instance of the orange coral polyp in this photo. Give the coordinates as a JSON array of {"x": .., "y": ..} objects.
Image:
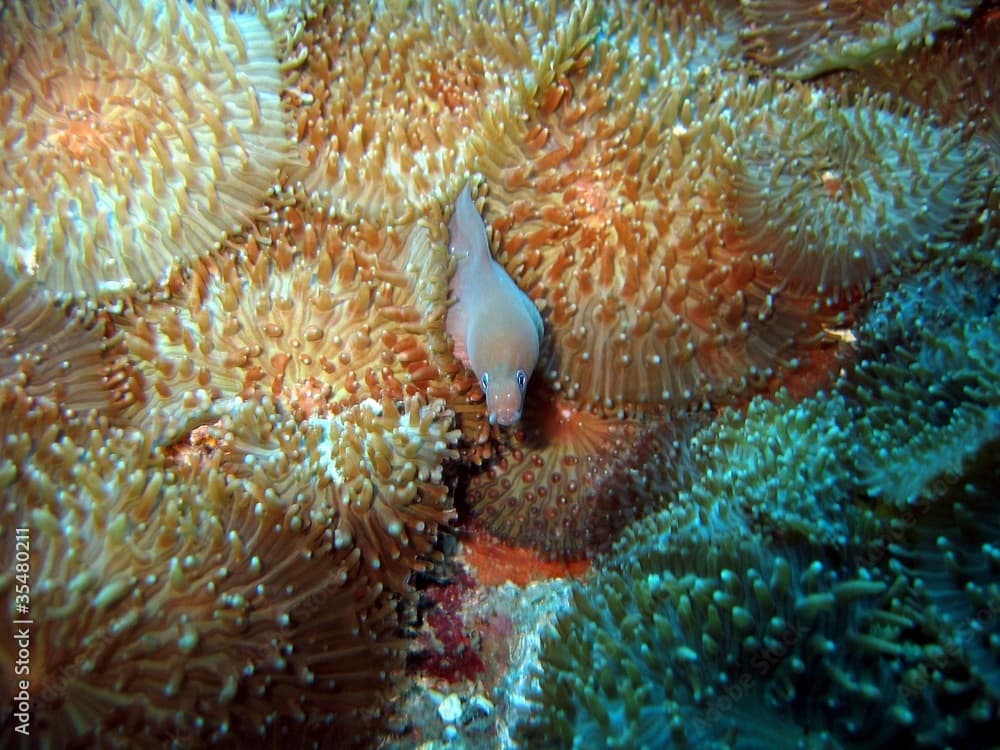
[
  {"x": 168, "y": 596},
  {"x": 389, "y": 119},
  {"x": 371, "y": 474},
  {"x": 69, "y": 356},
  {"x": 566, "y": 479},
  {"x": 629, "y": 185},
  {"x": 112, "y": 115},
  {"x": 316, "y": 306}
]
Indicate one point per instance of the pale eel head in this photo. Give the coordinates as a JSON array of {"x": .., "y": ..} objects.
[
  {"x": 504, "y": 367},
  {"x": 504, "y": 395}
]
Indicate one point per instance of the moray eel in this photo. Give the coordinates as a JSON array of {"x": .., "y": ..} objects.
[{"x": 495, "y": 326}]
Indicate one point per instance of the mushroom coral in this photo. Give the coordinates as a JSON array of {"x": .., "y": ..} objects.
[
  {"x": 387, "y": 101},
  {"x": 313, "y": 310},
  {"x": 688, "y": 232},
  {"x": 691, "y": 637},
  {"x": 828, "y": 575},
  {"x": 236, "y": 460},
  {"x": 169, "y": 605},
  {"x": 925, "y": 391},
  {"x": 951, "y": 546},
  {"x": 843, "y": 191},
  {"x": 782, "y": 463},
  {"x": 566, "y": 481},
  {"x": 802, "y": 40},
  {"x": 63, "y": 354},
  {"x": 612, "y": 198},
  {"x": 956, "y": 78},
  {"x": 370, "y": 475},
  {"x": 615, "y": 204},
  {"x": 136, "y": 135},
  {"x": 293, "y": 353}
]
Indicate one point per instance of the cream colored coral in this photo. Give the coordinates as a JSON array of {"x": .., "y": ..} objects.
[
  {"x": 803, "y": 39},
  {"x": 314, "y": 310},
  {"x": 371, "y": 475},
  {"x": 137, "y": 135},
  {"x": 164, "y": 596}
]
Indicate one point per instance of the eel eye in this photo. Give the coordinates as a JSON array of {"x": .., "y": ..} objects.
[
  {"x": 522, "y": 380},
  {"x": 485, "y": 381}
]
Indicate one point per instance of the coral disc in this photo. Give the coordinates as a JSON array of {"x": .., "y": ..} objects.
[
  {"x": 65, "y": 355},
  {"x": 168, "y": 597},
  {"x": 612, "y": 202},
  {"x": 566, "y": 480},
  {"x": 841, "y": 192},
  {"x": 315, "y": 311},
  {"x": 956, "y": 79},
  {"x": 388, "y": 102},
  {"x": 802, "y": 40},
  {"x": 371, "y": 475},
  {"x": 136, "y": 136}
]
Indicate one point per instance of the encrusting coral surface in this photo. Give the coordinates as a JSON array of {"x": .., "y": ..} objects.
[
  {"x": 140, "y": 139},
  {"x": 249, "y": 496}
]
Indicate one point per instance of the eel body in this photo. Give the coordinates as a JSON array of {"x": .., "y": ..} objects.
[{"x": 496, "y": 328}]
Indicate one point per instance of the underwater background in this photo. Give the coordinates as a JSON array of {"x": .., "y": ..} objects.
[{"x": 250, "y": 497}]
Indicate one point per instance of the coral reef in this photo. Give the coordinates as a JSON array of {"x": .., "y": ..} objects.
[
  {"x": 785, "y": 480},
  {"x": 316, "y": 312},
  {"x": 719, "y": 640},
  {"x": 779, "y": 600},
  {"x": 370, "y": 476},
  {"x": 386, "y": 122},
  {"x": 256, "y": 499},
  {"x": 802, "y": 41},
  {"x": 566, "y": 481},
  {"x": 134, "y": 143},
  {"x": 926, "y": 388},
  {"x": 829, "y": 576},
  {"x": 64, "y": 355},
  {"x": 661, "y": 307},
  {"x": 893, "y": 187},
  {"x": 171, "y": 609},
  {"x": 955, "y": 78}
]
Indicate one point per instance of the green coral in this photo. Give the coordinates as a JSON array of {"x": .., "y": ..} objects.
[
  {"x": 781, "y": 462},
  {"x": 953, "y": 550},
  {"x": 721, "y": 641},
  {"x": 829, "y": 576},
  {"x": 925, "y": 393}
]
